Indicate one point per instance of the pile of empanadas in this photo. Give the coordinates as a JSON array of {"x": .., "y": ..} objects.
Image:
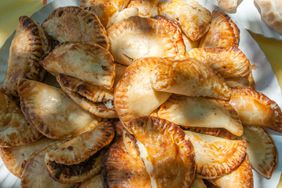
[{"x": 134, "y": 94}]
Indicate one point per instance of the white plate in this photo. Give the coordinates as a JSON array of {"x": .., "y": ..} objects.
[{"x": 266, "y": 82}]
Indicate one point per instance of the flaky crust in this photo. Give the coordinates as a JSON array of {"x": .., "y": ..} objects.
[{"x": 145, "y": 8}]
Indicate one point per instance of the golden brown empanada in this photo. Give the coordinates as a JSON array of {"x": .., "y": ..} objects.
[
  {"x": 216, "y": 156},
  {"x": 256, "y": 109},
  {"x": 94, "y": 182},
  {"x": 190, "y": 78},
  {"x": 53, "y": 114},
  {"x": 90, "y": 63},
  {"x": 261, "y": 151},
  {"x": 171, "y": 156},
  {"x": 223, "y": 32},
  {"x": 138, "y": 37},
  {"x": 26, "y": 50},
  {"x": 73, "y": 24},
  {"x": 94, "y": 99},
  {"x": 198, "y": 183},
  {"x": 193, "y": 18},
  {"x": 201, "y": 112},
  {"x": 146, "y": 8},
  {"x": 241, "y": 177},
  {"x": 14, "y": 129},
  {"x": 134, "y": 96},
  {"x": 15, "y": 158}
]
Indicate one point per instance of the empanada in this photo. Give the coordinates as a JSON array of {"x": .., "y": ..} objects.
[
  {"x": 171, "y": 156},
  {"x": 229, "y": 6},
  {"x": 73, "y": 24},
  {"x": 201, "y": 112},
  {"x": 53, "y": 114},
  {"x": 190, "y": 78},
  {"x": 146, "y": 8},
  {"x": 14, "y": 129},
  {"x": 138, "y": 37},
  {"x": 94, "y": 99},
  {"x": 15, "y": 158},
  {"x": 216, "y": 156},
  {"x": 26, "y": 50},
  {"x": 134, "y": 96},
  {"x": 223, "y": 32},
  {"x": 242, "y": 177},
  {"x": 94, "y": 182},
  {"x": 90, "y": 63},
  {"x": 193, "y": 18},
  {"x": 261, "y": 151},
  {"x": 256, "y": 109},
  {"x": 123, "y": 15}
]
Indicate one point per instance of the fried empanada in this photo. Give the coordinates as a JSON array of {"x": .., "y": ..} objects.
[
  {"x": 35, "y": 173},
  {"x": 73, "y": 24},
  {"x": 123, "y": 15},
  {"x": 146, "y": 8},
  {"x": 170, "y": 154},
  {"x": 216, "y": 156},
  {"x": 123, "y": 166},
  {"x": 193, "y": 18},
  {"x": 26, "y": 50},
  {"x": 90, "y": 63},
  {"x": 201, "y": 112},
  {"x": 53, "y": 114},
  {"x": 242, "y": 177},
  {"x": 94, "y": 182},
  {"x": 94, "y": 99},
  {"x": 134, "y": 96},
  {"x": 256, "y": 109},
  {"x": 223, "y": 32},
  {"x": 138, "y": 37},
  {"x": 261, "y": 151},
  {"x": 14, "y": 129},
  {"x": 15, "y": 158},
  {"x": 228, "y": 62},
  {"x": 190, "y": 78}
]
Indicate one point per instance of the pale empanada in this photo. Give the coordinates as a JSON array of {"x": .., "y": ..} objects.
[
  {"x": 123, "y": 166},
  {"x": 14, "y": 129},
  {"x": 73, "y": 24},
  {"x": 15, "y": 158},
  {"x": 138, "y": 37},
  {"x": 94, "y": 99},
  {"x": 26, "y": 50},
  {"x": 228, "y": 62},
  {"x": 146, "y": 8},
  {"x": 201, "y": 112},
  {"x": 94, "y": 182},
  {"x": 170, "y": 154},
  {"x": 223, "y": 32},
  {"x": 256, "y": 109},
  {"x": 35, "y": 173},
  {"x": 242, "y": 177},
  {"x": 122, "y": 15},
  {"x": 193, "y": 18},
  {"x": 261, "y": 151},
  {"x": 53, "y": 114},
  {"x": 216, "y": 156},
  {"x": 134, "y": 96},
  {"x": 190, "y": 78},
  {"x": 198, "y": 183},
  {"x": 90, "y": 63}
]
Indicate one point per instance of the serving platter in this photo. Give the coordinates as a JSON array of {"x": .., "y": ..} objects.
[{"x": 266, "y": 82}]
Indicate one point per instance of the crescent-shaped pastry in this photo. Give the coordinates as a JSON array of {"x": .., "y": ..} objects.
[
  {"x": 14, "y": 129},
  {"x": 146, "y": 8},
  {"x": 223, "y": 32},
  {"x": 53, "y": 114},
  {"x": 94, "y": 99},
  {"x": 193, "y": 18},
  {"x": 36, "y": 175},
  {"x": 26, "y": 50},
  {"x": 138, "y": 37},
  {"x": 169, "y": 154},
  {"x": 190, "y": 78},
  {"x": 256, "y": 109},
  {"x": 94, "y": 182},
  {"x": 241, "y": 177},
  {"x": 261, "y": 151},
  {"x": 90, "y": 63},
  {"x": 201, "y": 112},
  {"x": 134, "y": 96},
  {"x": 15, "y": 158},
  {"x": 73, "y": 24},
  {"x": 216, "y": 156}
]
